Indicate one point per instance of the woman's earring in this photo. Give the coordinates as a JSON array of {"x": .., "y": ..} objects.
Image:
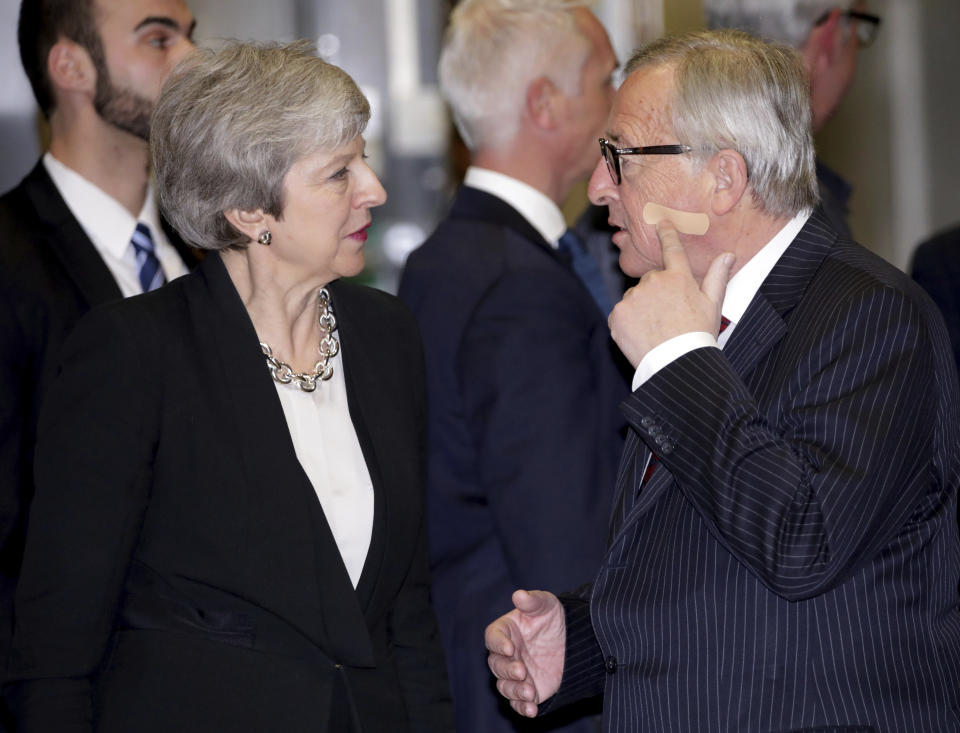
[{"x": 265, "y": 237}]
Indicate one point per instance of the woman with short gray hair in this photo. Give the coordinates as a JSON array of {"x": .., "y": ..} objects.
[{"x": 228, "y": 530}]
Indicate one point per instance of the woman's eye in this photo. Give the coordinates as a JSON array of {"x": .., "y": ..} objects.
[{"x": 340, "y": 174}]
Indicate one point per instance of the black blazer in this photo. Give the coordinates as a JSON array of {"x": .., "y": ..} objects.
[
  {"x": 793, "y": 562},
  {"x": 524, "y": 428},
  {"x": 50, "y": 275},
  {"x": 180, "y": 574}
]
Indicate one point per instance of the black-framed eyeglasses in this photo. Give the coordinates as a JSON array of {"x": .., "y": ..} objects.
[
  {"x": 867, "y": 25},
  {"x": 611, "y": 154}
]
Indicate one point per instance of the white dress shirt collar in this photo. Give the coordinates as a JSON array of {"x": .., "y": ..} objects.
[
  {"x": 110, "y": 226},
  {"x": 105, "y": 220},
  {"x": 537, "y": 208},
  {"x": 743, "y": 286}
]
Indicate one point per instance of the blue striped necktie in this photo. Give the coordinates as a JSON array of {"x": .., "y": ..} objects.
[
  {"x": 148, "y": 266},
  {"x": 586, "y": 267}
]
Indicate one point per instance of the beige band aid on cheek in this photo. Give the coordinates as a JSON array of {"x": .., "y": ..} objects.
[{"x": 686, "y": 222}]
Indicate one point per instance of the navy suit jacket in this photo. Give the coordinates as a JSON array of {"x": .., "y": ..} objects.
[
  {"x": 50, "y": 275},
  {"x": 180, "y": 574},
  {"x": 936, "y": 267},
  {"x": 793, "y": 563},
  {"x": 523, "y": 388}
]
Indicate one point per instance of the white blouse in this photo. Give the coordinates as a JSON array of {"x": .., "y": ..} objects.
[{"x": 329, "y": 451}]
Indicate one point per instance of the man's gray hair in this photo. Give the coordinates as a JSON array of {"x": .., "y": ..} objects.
[
  {"x": 494, "y": 49},
  {"x": 782, "y": 21},
  {"x": 229, "y": 125},
  {"x": 734, "y": 91}
]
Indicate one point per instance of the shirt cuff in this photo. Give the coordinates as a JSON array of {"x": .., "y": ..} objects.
[{"x": 670, "y": 350}]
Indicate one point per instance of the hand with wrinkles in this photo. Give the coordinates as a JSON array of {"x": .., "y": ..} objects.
[
  {"x": 527, "y": 648},
  {"x": 669, "y": 302}
]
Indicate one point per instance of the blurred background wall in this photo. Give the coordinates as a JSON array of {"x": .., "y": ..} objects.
[{"x": 895, "y": 138}]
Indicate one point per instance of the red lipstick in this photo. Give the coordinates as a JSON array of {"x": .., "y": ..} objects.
[{"x": 361, "y": 234}]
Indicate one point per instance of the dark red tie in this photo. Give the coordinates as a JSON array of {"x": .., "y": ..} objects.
[{"x": 652, "y": 465}]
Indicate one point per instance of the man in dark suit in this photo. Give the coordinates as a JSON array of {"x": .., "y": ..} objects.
[
  {"x": 523, "y": 383},
  {"x": 784, "y": 555},
  {"x": 828, "y": 35},
  {"x": 96, "y": 66},
  {"x": 936, "y": 267}
]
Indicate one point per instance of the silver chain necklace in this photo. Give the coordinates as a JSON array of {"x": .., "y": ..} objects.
[{"x": 329, "y": 347}]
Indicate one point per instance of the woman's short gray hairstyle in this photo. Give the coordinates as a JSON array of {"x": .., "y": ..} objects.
[
  {"x": 781, "y": 21},
  {"x": 494, "y": 49},
  {"x": 734, "y": 91},
  {"x": 231, "y": 122}
]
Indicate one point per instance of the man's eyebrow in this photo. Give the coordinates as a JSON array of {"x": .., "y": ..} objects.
[{"x": 164, "y": 21}]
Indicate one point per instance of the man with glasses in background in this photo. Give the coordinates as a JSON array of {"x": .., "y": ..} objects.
[
  {"x": 829, "y": 35},
  {"x": 783, "y": 553}
]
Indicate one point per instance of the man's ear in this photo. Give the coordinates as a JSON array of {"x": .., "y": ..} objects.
[
  {"x": 823, "y": 43},
  {"x": 728, "y": 171},
  {"x": 250, "y": 223},
  {"x": 70, "y": 68},
  {"x": 541, "y": 101}
]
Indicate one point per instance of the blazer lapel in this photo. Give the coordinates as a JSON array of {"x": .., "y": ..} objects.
[
  {"x": 383, "y": 441},
  {"x": 277, "y": 482},
  {"x": 763, "y": 325},
  {"x": 68, "y": 240},
  {"x": 361, "y": 400}
]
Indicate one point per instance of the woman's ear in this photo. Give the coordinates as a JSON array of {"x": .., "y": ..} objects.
[
  {"x": 729, "y": 174},
  {"x": 251, "y": 223}
]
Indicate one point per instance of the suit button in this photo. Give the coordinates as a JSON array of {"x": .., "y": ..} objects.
[
  {"x": 611, "y": 664},
  {"x": 647, "y": 421}
]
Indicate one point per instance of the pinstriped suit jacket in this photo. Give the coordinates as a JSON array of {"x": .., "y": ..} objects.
[{"x": 794, "y": 563}]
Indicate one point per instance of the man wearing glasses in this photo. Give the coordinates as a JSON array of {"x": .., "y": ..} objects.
[
  {"x": 829, "y": 35},
  {"x": 783, "y": 554}
]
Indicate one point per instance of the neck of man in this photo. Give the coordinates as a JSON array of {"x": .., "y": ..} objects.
[
  {"x": 528, "y": 163},
  {"x": 744, "y": 232},
  {"x": 113, "y": 160}
]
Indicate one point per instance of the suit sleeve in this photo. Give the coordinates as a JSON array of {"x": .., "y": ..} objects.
[
  {"x": 805, "y": 494},
  {"x": 413, "y": 623},
  {"x": 547, "y": 448},
  {"x": 93, "y": 466}
]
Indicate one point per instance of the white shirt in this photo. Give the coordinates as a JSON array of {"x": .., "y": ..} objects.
[
  {"x": 329, "y": 451},
  {"x": 740, "y": 291},
  {"x": 110, "y": 226},
  {"x": 536, "y": 207}
]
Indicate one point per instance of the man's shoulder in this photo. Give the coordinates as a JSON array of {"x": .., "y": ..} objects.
[
  {"x": 855, "y": 284},
  {"x": 18, "y": 211},
  {"x": 865, "y": 269},
  {"x": 24, "y": 253},
  {"x": 942, "y": 249}
]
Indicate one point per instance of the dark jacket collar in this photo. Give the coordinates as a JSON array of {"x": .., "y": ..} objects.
[
  {"x": 472, "y": 203},
  {"x": 66, "y": 238}
]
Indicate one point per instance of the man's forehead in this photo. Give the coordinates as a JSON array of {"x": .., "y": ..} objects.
[
  {"x": 133, "y": 14},
  {"x": 641, "y": 106}
]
